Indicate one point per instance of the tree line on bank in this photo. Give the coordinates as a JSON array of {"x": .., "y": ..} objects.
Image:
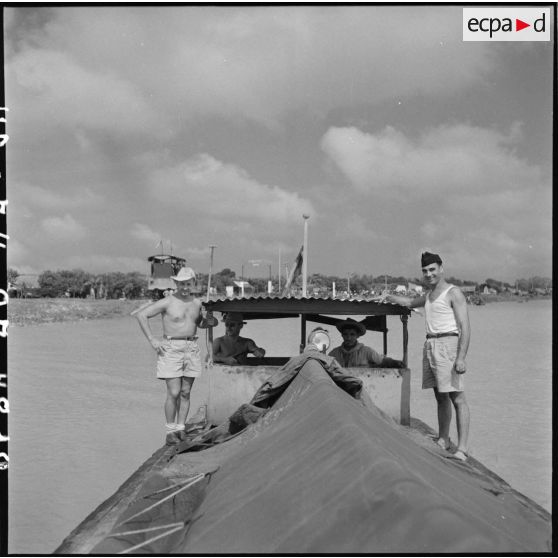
[{"x": 77, "y": 283}]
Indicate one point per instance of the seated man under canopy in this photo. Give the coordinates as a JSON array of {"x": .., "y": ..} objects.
[
  {"x": 352, "y": 354},
  {"x": 231, "y": 348}
]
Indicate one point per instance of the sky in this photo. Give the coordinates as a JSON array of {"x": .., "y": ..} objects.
[{"x": 223, "y": 125}]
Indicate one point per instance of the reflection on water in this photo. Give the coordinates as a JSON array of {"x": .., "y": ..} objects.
[{"x": 86, "y": 409}]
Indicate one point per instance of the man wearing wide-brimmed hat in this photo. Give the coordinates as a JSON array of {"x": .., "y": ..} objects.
[
  {"x": 178, "y": 360},
  {"x": 351, "y": 353},
  {"x": 232, "y": 349},
  {"x": 447, "y": 341}
]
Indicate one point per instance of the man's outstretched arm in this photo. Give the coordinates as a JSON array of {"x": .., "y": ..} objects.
[{"x": 406, "y": 300}]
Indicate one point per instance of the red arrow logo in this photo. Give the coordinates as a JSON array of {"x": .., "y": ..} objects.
[{"x": 519, "y": 25}]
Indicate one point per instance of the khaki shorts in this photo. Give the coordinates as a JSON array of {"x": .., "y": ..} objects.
[
  {"x": 438, "y": 358},
  {"x": 180, "y": 357}
]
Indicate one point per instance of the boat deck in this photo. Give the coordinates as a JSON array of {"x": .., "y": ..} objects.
[{"x": 320, "y": 472}]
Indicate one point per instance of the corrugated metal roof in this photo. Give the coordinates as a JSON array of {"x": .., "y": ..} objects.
[{"x": 277, "y": 305}]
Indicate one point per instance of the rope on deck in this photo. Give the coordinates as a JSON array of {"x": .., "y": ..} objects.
[
  {"x": 146, "y": 529},
  {"x": 190, "y": 482},
  {"x": 152, "y": 539},
  {"x": 167, "y": 488}
]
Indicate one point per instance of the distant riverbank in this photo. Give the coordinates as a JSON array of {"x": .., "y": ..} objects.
[
  {"x": 22, "y": 312},
  {"x": 507, "y": 297},
  {"x": 28, "y": 311}
]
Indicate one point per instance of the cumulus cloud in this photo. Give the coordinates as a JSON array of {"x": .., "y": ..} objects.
[
  {"x": 43, "y": 198},
  {"x": 112, "y": 106},
  {"x": 55, "y": 89},
  {"x": 103, "y": 263},
  {"x": 204, "y": 185},
  {"x": 63, "y": 228},
  {"x": 257, "y": 63},
  {"x": 17, "y": 254},
  {"x": 157, "y": 242},
  {"x": 144, "y": 233},
  {"x": 447, "y": 159},
  {"x": 462, "y": 188}
]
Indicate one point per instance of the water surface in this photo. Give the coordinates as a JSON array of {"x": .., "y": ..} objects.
[{"x": 86, "y": 408}]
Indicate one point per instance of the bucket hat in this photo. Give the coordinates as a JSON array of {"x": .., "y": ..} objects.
[{"x": 353, "y": 324}]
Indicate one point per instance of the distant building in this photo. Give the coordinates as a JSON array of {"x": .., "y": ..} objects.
[
  {"x": 485, "y": 289},
  {"x": 468, "y": 289},
  {"x": 242, "y": 288},
  {"x": 413, "y": 287}
]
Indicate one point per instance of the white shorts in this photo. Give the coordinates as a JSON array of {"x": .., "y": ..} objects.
[
  {"x": 438, "y": 359},
  {"x": 180, "y": 357}
]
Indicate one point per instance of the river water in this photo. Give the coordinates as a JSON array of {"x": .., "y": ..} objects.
[{"x": 86, "y": 410}]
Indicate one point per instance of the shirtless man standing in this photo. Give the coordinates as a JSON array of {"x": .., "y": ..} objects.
[
  {"x": 232, "y": 349},
  {"x": 447, "y": 339},
  {"x": 178, "y": 362}
]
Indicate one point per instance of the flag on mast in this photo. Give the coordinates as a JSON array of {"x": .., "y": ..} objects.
[{"x": 295, "y": 272}]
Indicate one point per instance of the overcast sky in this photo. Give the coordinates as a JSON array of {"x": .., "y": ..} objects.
[{"x": 223, "y": 125}]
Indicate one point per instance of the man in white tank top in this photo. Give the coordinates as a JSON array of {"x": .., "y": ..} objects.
[{"x": 447, "y": 340}]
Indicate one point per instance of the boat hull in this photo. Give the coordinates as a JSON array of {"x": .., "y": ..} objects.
[{"x": 323, "y": 472}]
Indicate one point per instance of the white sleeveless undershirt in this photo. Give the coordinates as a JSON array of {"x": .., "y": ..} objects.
[{"x": 439, "y": 316}]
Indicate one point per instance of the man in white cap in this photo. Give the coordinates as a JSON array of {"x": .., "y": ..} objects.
[
  {"x": 352, "y": 354},
  {"x": 178, "y": 362},
  {"x": 232, "y": 349}
]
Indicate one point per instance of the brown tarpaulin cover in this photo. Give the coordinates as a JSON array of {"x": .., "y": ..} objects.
[{"x": 323, "y": 472}]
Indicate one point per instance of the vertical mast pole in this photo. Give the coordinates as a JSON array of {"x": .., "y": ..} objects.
[
  {"x": 211, "y": 248},
  {"x": 305, "y": 256},
  {"x": 279, "y": 273}
]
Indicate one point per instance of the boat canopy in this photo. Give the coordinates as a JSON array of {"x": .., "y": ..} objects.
[{"x": 322, "y": 310}]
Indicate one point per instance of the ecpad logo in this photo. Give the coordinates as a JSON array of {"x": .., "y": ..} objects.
[{"x": 506, "y": 24}]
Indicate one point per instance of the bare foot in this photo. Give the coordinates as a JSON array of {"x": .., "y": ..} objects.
[
  {"x": 459, "y": 455},
  {"x": 442, "y": 443}
]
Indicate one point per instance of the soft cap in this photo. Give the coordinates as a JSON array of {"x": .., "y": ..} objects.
[
  {"x": 428, "y": 258},
  {"x": 184, "y": 274}
]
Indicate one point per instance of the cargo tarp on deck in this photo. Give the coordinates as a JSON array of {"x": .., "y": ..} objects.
[{"x": 322, "y": 472}]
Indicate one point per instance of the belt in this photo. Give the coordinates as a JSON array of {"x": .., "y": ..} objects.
[
  {"x": 191, "y": 338},
  {"x": 436, "y": 335}
]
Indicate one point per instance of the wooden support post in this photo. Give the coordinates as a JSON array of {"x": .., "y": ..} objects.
[
  {"x": 210, "y": 332},
  {"x": 405, "y": 377},
  {"x": 404, "y": 320},
  {"x": 210, "y": 339},
  {"x": 302, "y": 332},
  {"x": 405, "y": 417}
]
